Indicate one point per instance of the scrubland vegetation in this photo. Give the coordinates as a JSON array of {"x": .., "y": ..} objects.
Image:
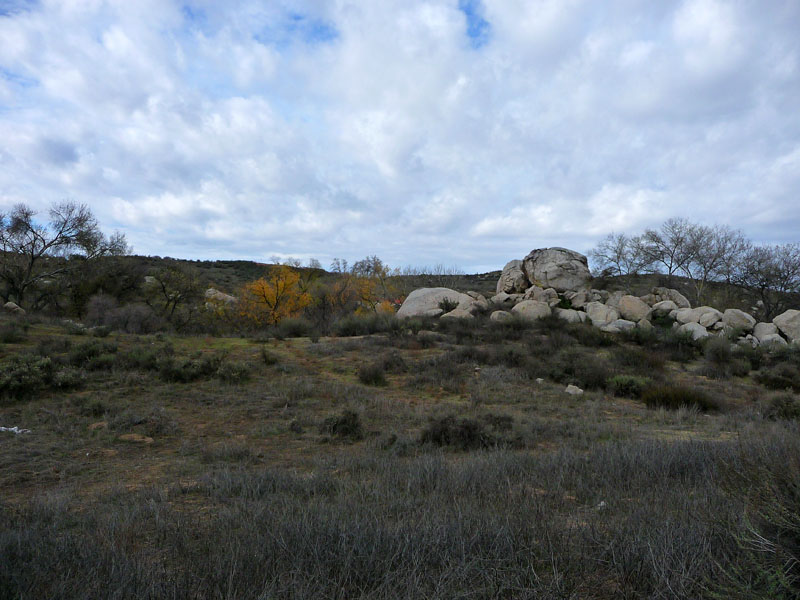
[{"x": 414, "y": 458}]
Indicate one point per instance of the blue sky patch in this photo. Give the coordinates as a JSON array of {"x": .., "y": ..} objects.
[{"x": 478, "y": 28}]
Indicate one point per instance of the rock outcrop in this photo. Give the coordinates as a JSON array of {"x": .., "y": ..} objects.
[
  {"x": 554, "y": 281},
  {"x": 789, "y": 324},
  {"x": 513, "y": 279},
  {"x": 558, "y": 268}
]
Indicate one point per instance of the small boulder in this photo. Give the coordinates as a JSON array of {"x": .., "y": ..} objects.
[
  {"x": 738, "y": 319},
  {"x": 633, "y": 309},
  {"x": 480, "y": 300},
  {"x": 771, "y": 339},
  {"x": 14, "y": 309},
  {"x": 573, "y": 390},
  {"x": 505, "y": 300},
  {"x": 458, "y": 313},
  {"x": 622, "y": 324},
  {"x": 500, "y": 316},
  {"x": 644, "y": 324},
  {"x": 422, "y": 300},
  {"x": 789, "y": 324},
  {"x": 709, "y": 318},
  {"x": 663, "y": 293},
  {"x": 513, "y": 279},
  {"x": 696, "y": 330},
  {"x": 577, "y": 299},
  {"x": 214, "y": 295},
  {"x": 762, "y": 329},
  {"x": 569, "y": 315},
  {"x": 664, "y": 308},
  {"x": 532, "y": 310},
  {"x": 600, "y": 314}
]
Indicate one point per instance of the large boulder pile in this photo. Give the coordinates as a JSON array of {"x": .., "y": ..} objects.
[{"x": 556, "y": 281}]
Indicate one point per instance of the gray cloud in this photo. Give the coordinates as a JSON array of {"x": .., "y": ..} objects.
[{"x": 346, "y": 129}]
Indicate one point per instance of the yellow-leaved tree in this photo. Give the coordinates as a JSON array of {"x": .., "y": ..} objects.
[{"x": 268, "y": 300}]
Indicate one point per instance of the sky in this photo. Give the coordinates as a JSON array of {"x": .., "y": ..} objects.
[{"x": 456, "y": 132}]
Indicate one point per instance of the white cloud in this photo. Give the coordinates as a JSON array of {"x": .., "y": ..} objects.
[{"x": 346, "y": 129}]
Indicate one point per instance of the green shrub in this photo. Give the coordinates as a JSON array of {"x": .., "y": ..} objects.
[
  {"x": 393, "y": 362},
  {"x": 24, "y": 375},
  {"x": 639, "y": 359},
  {"x": 640, "y": 336},
  {"x": 499, "y": 422},
  {"x": 628, "y": 386},
  {"x": 782, "y": 376},
  {"x": 67, "y": 379},
  {"x": 11, "y": 333},
  {"x": 440, "y": 371},
  {"x": 145, "y": 358},
  {"x": 103, "y": 362},
  {"x": 293, "y": 328},
  {"x": 754, "y": 356},
  {"x": 353, "y": 325},
  {"x": 580, "y": 368},
  {"x": 347, "y": 425},
  {"x": 680, "y": 347},
  {"x": 80, "y": 355},
  {"x": 233, "y": 372},
  {"x": 673, "y": 397},
  {"x": 784, "y": 406},
  {"x": 446, "y": 304},
  {"x": 269, "y": 358},
  {"x": 100, "y": 331},
  {"x": 463, "y": 434},
  {"x": 186, "y": 371},
  {"x": 722, "y": 361},
  {"x": 588, "y": 335},
  {"x": 372, "y": 374}
]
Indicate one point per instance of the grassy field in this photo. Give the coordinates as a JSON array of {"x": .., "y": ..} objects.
[{"x": 426, "y": 460}]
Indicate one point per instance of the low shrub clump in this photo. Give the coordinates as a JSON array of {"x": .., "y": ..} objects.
[
  {"x": 293, "y": 328},
  {"x": 83, "y": 354},
  {"x": 354, "y": 325},
  {"x": 721, "y": 362},
  {"x": 233, "y": 372},
  {"x": 628, "y": 386},
  {"x": 460, "y": 433},
  {"x": 580, "y": 368},
  {"x": 372, "y": 374},
  {"x": 24, "y": 375},
  {"x": 346, "y": 426},
  {"x": 783, "y": 376},
  {"x": 11, "y": 333},
  {"x": 673, "y": 397},
  {"x": 784, "y": 406}
]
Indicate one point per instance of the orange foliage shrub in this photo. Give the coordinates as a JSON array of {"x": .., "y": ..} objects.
[{"x": 268, "y": 300}]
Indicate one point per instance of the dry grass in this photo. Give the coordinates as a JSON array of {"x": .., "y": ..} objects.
[{"x": 301, "y": 447}]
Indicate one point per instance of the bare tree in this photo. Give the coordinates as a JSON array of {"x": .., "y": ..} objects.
[
  {"x": 671, "y": 246},
  {"x": 619, "y": 254},
  {"x": 711, "y": 251},
  {"x": 32, "y": 252},
  {"x": 339, "y": 265},
  {"x": 773, "y": 273}
]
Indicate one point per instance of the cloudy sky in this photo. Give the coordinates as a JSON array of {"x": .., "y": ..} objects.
[{"x": 460, "y": 132}]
